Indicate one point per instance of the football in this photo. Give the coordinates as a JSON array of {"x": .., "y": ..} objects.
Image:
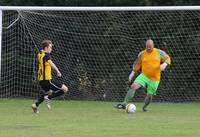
[{"x": 130, "y": 108}]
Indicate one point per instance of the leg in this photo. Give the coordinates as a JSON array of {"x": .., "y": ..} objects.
[
  {"x": 47, "y": 100},
  {"x": 151, "y": 90},
  {"x": 139, "y": 81},
  {"x": 60, "y": 92},
  {"x": 129, "y": 96},
  {"x": 40, "y": 99},
  {"x": 147, "y": 101},
  {"x": 56, "y": 89},
  {"x": 46, "y": 86},
  {"x": 131, "y": 92},
  {"x": 38, "y": 102}
]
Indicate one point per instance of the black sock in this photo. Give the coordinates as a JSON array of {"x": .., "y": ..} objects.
[
  {"x": 56, "y": 94},
  {"x": 40, "y": 100}
]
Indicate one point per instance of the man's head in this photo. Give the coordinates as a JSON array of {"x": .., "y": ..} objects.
[
  {"x": 149, "y": 45},
  {"x": 47, "y": 45}
]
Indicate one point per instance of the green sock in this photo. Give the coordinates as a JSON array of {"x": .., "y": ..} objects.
[
  {"x": 129, "y": 96},
  {"x": 147, "y": 102}
]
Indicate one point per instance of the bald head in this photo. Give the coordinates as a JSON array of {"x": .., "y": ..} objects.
[{"x": 149, "y": 45}]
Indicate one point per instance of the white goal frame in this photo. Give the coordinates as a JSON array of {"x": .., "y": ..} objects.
[{"x": 35, "y": 8}]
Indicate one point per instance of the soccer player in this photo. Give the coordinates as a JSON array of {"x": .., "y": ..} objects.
[
  {"x": 151, "y": 61},
  {"x": 51, "y": 88}
]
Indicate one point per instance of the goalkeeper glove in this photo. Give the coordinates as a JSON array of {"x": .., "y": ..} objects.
[
  {"x": 163, "y": 66},
  {"x": 131, "y": 76}
]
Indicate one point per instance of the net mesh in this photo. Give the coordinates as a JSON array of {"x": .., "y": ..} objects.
[{"x": 95, "y": 51}]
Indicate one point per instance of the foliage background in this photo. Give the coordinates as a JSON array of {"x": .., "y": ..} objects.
[{"x": 98, "y": 2}]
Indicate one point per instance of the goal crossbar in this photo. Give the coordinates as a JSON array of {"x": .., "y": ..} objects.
[{"x": 140, "y": 8}]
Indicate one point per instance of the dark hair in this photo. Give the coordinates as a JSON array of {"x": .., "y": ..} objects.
[{"x": 45, "y": 43}]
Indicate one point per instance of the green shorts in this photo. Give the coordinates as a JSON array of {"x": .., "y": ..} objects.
[{"x": 151, "y": 85}]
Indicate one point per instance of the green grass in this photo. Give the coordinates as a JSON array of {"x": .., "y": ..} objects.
[{"x": 98, "y": 119}]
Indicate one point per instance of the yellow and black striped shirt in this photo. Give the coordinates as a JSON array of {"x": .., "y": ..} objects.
[{"x": 44, "y": 68}]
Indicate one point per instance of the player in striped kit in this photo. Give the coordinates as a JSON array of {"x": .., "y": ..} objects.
[{"x": 51, "y": 88}]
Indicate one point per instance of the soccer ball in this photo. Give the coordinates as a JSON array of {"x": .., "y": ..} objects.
[{"x": 130, "y": 108}]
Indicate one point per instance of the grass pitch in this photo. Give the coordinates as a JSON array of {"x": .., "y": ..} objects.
[{"x": 98, "y": 119}]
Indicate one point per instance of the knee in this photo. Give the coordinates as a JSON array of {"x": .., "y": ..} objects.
[
  {"x": 135, "y": 86},
  {"x": 50, "y": 92},
  {"x": 150, "y": 96},
  {"x": 64, "y": 88}
]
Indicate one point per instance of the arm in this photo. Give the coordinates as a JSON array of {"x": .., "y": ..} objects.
[
  {"x": 55, "y": 68},
  {"x": 131, "y": 75},
  {"x": 136, "y": 66},
  {"x": 165, "y": 60}
]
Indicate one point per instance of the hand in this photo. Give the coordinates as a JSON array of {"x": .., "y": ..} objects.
[
  {"x": 59, "y": 74},
  {"x": 163, "y": 66},
  {"x": 131, "y": 76}
]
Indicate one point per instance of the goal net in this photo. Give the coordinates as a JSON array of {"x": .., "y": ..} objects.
[{"x": 95, "y": 51}]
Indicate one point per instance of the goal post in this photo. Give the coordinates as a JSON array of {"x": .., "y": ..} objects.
[
  {"x": 0, "y": 41},
  {"x": 95, "y": 48}
]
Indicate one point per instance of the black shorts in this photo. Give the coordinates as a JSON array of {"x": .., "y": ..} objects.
[{"x": 46, "y": 85}]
